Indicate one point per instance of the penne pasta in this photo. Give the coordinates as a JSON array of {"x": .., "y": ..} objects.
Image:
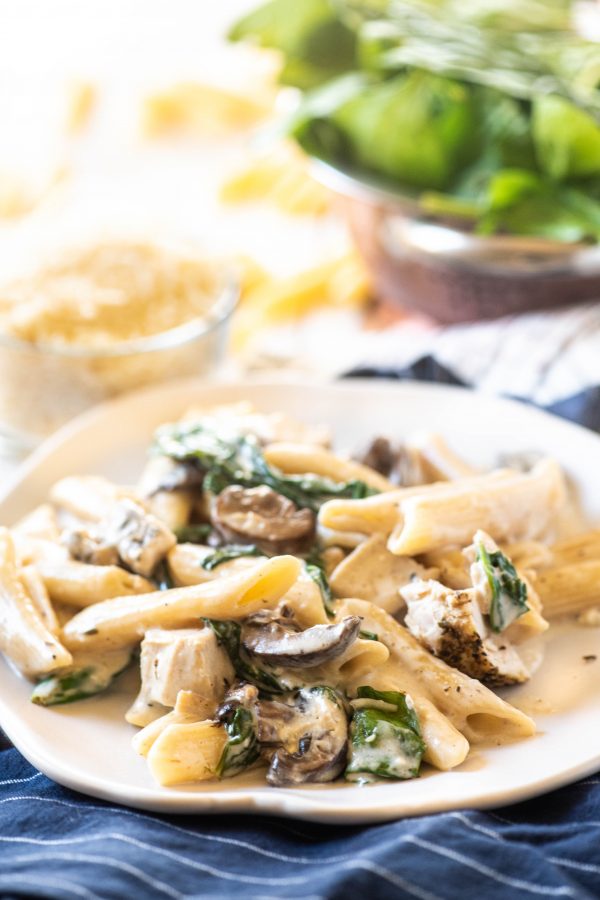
[
  {"x": 572, "y": 550},
  {"x": 372, "y": 573},
  {"x": 296, "y": 459},
  {"x": 36, "y": 589},
  {"x": 570, "y": 588},
  {"x": 24, "y": 636},
  {"x": 185, "y": 565},
  {"x": 437, "y": 460},
  {"x": 80, "y": 584},
  {"x": 125, "y": 620},
  {"x": 186, "y": 752},
  {"x": 508, "y": 505}
]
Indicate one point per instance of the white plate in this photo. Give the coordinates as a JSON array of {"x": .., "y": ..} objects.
[{"x": 86, "y": 746}]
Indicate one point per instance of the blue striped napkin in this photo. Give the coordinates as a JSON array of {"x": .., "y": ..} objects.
[{"x": 56, "y": 843}]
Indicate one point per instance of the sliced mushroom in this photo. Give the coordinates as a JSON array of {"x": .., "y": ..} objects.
[
  {"x": 280, "y": 641},
  {"x": 241, "y": 694},
  {"x": 399, "y": 464},
  {"x": 262, "y": 516},
  {"x": 304, "y": 739},
  {"x": 165, "y": 474}
]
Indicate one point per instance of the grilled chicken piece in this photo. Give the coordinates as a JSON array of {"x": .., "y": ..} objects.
[
  {"x": 185, "y": 659},
  {"x": 129, "y": 534},
  {"x": 451, "y": 625}
]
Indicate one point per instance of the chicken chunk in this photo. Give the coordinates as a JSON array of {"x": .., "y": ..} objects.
[
  {"x": 451, "y": 625},
  {"x": 187, "y": 659},
  {"x": 128, "y": 533}
]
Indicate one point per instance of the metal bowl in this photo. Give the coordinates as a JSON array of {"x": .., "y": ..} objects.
[{"x": 439, "y": 267}]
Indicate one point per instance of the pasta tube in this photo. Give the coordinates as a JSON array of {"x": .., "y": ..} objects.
[
  {"x": 124, "y": 620},
  {"x": 35, "y": 588},
  {"x": 80, "y": 584},
  {"x": 375, "y": 574},
  {"x": 510, "y": 506},
  {"x": 297, "y": 459},
  {"x": 187, "y": 752},
  {"x": 185, "y": 565},
  {"x": 24, "y": 637},
  {"x": 576, "y": 549},
  {"x": 88, "y": 497},
  {"x": 569, "y": 589}
]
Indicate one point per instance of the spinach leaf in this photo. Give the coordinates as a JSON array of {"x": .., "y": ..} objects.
[
  {"x": 315, "y": 569},
  {"x": 162, "y": 576},
  {"x": 80, "y": 683},
  {"x": 193, "y": 534},
  {"x": 228, "y": 636},
  {"x": 567, "y": 139},
  {"x": 242, "y": 748},
  {"x": 231, "y": 551},
  {"x": 316, "y": 43},
  {"x": 509, "y": 593},
  {"x": 239, "y": 460},
  {"x": 384, "y": 743},
  {"x": 417, "y": 128},
  {"x": 368, "y": 635}
]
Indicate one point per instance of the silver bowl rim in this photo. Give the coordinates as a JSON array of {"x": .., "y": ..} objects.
[{"x": 366, "y": 188}]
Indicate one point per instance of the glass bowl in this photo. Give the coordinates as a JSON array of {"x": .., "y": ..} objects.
[
  {"x": 441, "y": 268},
  {"x": 42, "y": 386}
]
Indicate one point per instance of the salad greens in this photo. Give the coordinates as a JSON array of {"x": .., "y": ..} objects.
[
  {"x": 509, "y": 593},
  {"x": 239, "y": 460},
  {"x": 385, "y": 739},
  {"x": 486, "y": 112}
]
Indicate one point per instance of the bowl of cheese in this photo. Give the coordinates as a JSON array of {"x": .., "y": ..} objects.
[{"x": 102, "y": 319}]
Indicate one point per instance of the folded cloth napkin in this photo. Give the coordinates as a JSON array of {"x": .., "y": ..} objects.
[{"x": 59, "y": 844}]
